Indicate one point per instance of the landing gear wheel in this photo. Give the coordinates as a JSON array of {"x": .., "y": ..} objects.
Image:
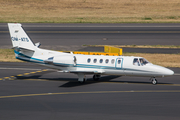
[
  {"x": 84, "y": 80},
  {"x": 154, "y": 81},
  {"x": 96, "y": 77}
]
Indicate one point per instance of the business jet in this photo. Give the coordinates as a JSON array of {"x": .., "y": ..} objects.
[{"x": 82, "y": 65}]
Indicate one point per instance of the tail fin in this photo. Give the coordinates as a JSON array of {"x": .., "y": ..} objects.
[{"x": 19, "y": 37}]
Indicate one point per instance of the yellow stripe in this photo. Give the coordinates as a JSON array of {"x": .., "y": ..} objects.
[
  {"x": 26, "y": 73},
  {"x": 37, "y": 79},
  {"x": 12, "y": 77},
  {"x": 1, "y": 79},
  {"x": 170, "y": 84},
  {"x": 38, "y": 71},
  {"x": 6, "y": 77},
  {"x": 32, "y": 72},
  {"x": 20, "y": 75},
  {"x": 44, "y": 70},
  {"x": 93, "y": 92}
]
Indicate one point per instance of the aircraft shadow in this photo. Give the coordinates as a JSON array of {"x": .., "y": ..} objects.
[
  {"x": 89, "y": 81},
  {"x": 72, "y": 82}
]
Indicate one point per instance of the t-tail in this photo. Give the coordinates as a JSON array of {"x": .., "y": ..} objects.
[
  {"x": 19, "y": 37},
  {"x": 23, "y": 47}
]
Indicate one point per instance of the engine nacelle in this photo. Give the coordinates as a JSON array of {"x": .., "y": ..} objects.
[{"x": 63, "y": 60}]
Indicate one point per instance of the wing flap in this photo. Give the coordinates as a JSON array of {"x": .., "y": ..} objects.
[
  {"x": 84, "y": 72},
  {"x": 88, "y": 72}
]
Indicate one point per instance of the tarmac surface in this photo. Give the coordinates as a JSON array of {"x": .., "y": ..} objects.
[
  {"x": 73, "y": 36},
  {"x": 28, "y": 91},
  {"x": 45, "y": 94}
]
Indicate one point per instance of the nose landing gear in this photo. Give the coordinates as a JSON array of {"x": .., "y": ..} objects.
[{"x": 154, "y": 81}]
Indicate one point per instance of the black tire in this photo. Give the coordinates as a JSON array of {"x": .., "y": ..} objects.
[
  {"x": 96, "y": 77},
  {"x": 154, "y": 81},
  {"x": 82, "y": 81}
]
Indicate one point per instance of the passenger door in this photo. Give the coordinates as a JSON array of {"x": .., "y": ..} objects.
[{"x": 118, "y": 63}]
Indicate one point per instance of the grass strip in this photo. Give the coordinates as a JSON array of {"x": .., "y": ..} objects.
[
  {"x": 138, "y": 46},
  {"x": 8, "y": 55},
  {"x": 90, "y": 11},
  {"x": 166, "y": 60}
]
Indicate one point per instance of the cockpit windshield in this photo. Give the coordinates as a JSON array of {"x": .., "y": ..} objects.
[
  {"x": 143, "y": 61},
  {"x": 140, "y": 61}
]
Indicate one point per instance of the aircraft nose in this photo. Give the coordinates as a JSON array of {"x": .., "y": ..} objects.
[
  {"x": 163, "y": 71},
  {"x": 168, "y": 72}
]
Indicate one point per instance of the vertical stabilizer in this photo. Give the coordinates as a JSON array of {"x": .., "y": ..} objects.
[{"x": 19, "y": 37}]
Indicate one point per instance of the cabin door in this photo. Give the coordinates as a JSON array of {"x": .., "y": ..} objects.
[{"x": 118, "y": 63}]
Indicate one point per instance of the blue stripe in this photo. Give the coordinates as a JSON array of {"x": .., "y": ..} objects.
[
  {"x": 63, "y": 64},
  {"x": 29, "y": 60},
  {"x": 22, "y": 55},
  {"x": 94, "y": 66}
]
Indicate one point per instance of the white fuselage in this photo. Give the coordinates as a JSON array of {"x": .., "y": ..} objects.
[{"x": 94, "y": 64}]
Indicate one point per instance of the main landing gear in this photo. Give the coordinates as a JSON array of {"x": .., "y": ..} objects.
[
  {"x": 82, "y": 77},
  {"x": 96, "y": 77},
  {"x": 154, "y": 81}
]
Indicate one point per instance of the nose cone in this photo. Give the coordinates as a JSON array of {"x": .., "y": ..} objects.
[
  {"x": 162, "y": 71},
  {"x": 168, "y": 72}
]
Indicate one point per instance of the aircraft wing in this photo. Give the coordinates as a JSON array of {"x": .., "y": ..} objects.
[{"x": 85, "y": 72}]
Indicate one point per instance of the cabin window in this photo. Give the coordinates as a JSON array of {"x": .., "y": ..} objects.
[
  {"x": 143, "y": 61},
  {"x": 136, "y": 62},
  {"x": 119, "y": 61},
  {"x": 95, "y": 60},
  {"x": 112, "y": 61},
  {"x": 101, "y": 60},
  {"x": 107, "y": 60},
  {"x": 89, "y": 60}
]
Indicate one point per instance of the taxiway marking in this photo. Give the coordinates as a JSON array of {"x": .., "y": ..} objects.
[
  {"x": 93, "y": 92},
  {"x": 24, "y": 74}
]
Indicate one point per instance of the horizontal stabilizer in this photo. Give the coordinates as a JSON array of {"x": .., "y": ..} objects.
[{"x": 22, "y": 49}]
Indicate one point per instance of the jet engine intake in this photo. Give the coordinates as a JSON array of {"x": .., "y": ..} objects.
[{"x": 64, "y": 60}]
